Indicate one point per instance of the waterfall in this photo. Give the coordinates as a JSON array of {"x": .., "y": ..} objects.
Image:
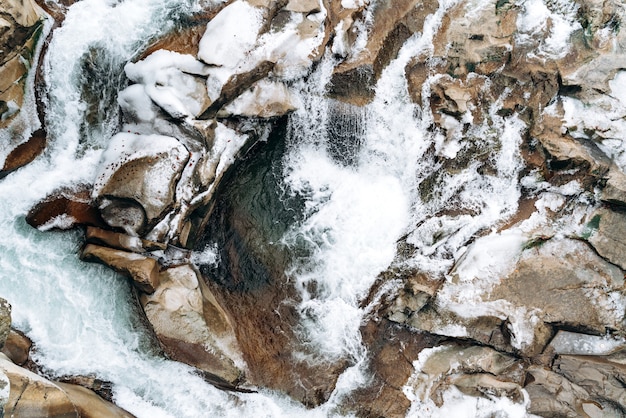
[{"x": 368, "y": 179}]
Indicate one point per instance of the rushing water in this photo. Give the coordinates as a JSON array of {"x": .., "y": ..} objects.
[{"x": 355, "y": 170}]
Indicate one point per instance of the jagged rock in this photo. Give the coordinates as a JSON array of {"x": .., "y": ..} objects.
[
  {"x": 65, "y": 209},
  {"x": 5, "y": 321},
  {"x": 607, "y": 231},
  {"x": 143, "y": 270},
  {"x": 33, "y": 396},
  {"x": 601, "y": 378},
  {"x": 479, "y": 371},
  {"x": 615, "y": 189},
  {"x": 17, "y": 347},
  {"x": 138, "y": 170},
  {"x": 552, "y": 395},
  {"x": 192, "y": 326}
]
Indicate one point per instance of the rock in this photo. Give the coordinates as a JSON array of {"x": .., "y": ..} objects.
[
  {"x": 607, "y": 230},
  {"x": 33, "y": 396},
  {"x": 89, "y": 405},
  {"x": 614, "y": 191},
  {"x": 17, "y": 347},
  {"x": 479, "y": 371},
  {"x": 568, "y": 283},
  {"x": 143, "y": 270},
  {"x": 303, "y": 6},
  {"x": 231, "y": 34},
  {"x": 192, "y": 326},
  {"x": 601, "y": 378},
  {"x": 121, "y": 241},
  {"x": 138, "y": 170},
  {"x": 552, "y": 395},
  {"x": 21, "y": 28},
  {"x": 393, "y": 23},
  {"x": 65, "y": 209},
  {"x": 5, "y": 321},
  {"x": 265, "y": 99},
  {"x": 235, "y": 86},
  {"x": 24, "y": 153},
  {"x": 175, "y": 82}
]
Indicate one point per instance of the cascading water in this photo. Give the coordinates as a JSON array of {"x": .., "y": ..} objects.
[{"x": 363, "y": 177}]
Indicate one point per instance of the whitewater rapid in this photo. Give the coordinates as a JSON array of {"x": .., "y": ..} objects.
[{"x": 361, "y": 197}]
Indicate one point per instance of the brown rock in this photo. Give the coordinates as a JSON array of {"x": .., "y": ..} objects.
[
  {"x": 33, "y": 396},
  {"x": 192, "y": 326},
  {"x": 17, "y": 347},
  {"x": 552, "y": 395},
  {"x": 24, "y": 153},
  {"x": 65, "y": 209},
  {"x": 235, "y": 86},
  {"x": 567, "y": 282},
  {"x": 121, "y": 241},
  {"x": 607, "y": 231},
  {"x": 393, "y": 23},
  {"x": 89, "y": 405},
  {"x": 143, "y": 270},
  {"x": 602, "y": 378}
]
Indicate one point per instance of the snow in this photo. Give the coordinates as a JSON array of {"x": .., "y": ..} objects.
[
  {"x": 231, "y": 34},
  {"x": 168, "y": 80}
]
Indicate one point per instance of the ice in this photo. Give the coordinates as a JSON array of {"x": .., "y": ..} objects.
[{"x": 571, "y": 343}]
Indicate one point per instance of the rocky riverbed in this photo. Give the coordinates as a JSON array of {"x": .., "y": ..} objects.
[{"x": 428, "y": 198}]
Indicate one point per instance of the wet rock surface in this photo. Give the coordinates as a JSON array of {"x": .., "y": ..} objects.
[{"x": 196, "y": 169}]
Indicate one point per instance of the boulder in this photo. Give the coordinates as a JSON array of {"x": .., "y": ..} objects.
[
  {"x": 478, "y": 371},
  {"x": 33, "y": 396},
  {"x": 565, "y": 282},
  {"x": 265, "y": 99},
  {"x": 174, "y": 82},
  {"x": 142, "y": 269},
  {"x": 137, "y": 179},
  {"x": 65, "y": 209},
  {"x": 17, "y": 347},
  {"x": 121, "y": 241},
  {"x": 607, "y": 234},
  {"x": 5, "y": 321},
  {"x": 24, "y": 153},
  {"x": 192, "y": 326}
]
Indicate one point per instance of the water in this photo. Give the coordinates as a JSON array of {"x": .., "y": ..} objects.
[{"x": 356, "y": 172}]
